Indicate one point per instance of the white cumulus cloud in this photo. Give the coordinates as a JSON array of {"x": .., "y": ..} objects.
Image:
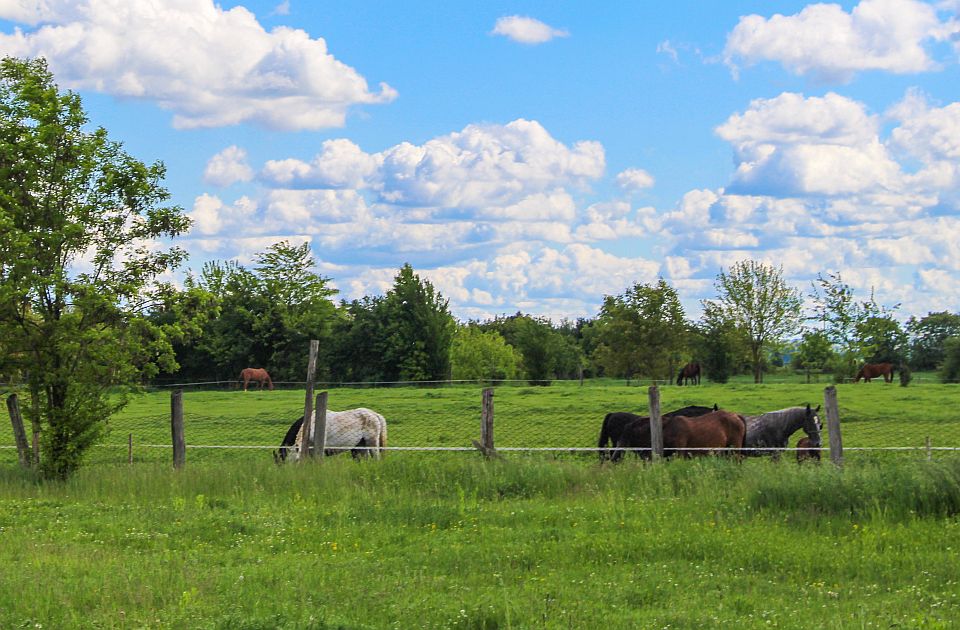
[
  {"x": 826, "y": 42},
  {"x": 228, "y": 167},
  {"x": 210, "y": 66}
]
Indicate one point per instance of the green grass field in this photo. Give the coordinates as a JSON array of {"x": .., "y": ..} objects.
[
  {"x": 450, "y": 540},
  {"x": 563, "y": 415}
]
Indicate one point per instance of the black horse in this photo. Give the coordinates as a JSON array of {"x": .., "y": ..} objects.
[
  {"x": 689, "y": 373},
  {"x": 614, "y": 424}
]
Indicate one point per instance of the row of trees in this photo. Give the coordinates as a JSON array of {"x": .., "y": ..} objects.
[{"x": 82, "y": 308}]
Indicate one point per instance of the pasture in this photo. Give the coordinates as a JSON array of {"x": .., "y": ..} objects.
[
  {"x": 450, "y": 540},
  {"x": 564, "y": 415}
]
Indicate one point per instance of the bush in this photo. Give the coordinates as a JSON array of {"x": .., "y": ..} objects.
[{"x": 950, "y": 373}]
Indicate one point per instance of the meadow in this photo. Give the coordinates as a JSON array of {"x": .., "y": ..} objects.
[{"x": 528, "y": 540}]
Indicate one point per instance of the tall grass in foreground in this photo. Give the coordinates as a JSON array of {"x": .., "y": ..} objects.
[{"x": 454, "y": 541}]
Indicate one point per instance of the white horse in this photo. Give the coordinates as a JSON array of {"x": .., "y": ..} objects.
[{"x": 350, "y": 429}]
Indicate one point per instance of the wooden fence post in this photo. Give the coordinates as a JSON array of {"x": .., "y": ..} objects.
[
  {"x": 320, "y": 425},
  {"x": 176, "y": 429},
  {"x": 833, "y": 424},
  {"x": 656, "y": 424},
  {"x": 308, "y": 420},
  {"x": 130, "y": 448},
  {"x": 485, "y": 445},
  {"x": 19, "y": 434}
]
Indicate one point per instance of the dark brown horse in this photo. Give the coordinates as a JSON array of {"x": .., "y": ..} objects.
[
  {"x": 873, "y": 370},
  {"x": 689, "y": 437},
  {"x": 255, "y": 374},
  {"x": 615, "y": 423},
  {"x": 689, "y": 373},
  {"x": 806, "y": 449}
]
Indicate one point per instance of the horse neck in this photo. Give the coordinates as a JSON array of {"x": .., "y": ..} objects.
[{"x": 781, "y": 424}]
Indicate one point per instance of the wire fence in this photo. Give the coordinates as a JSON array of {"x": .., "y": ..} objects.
[{"x": 222, "y": 422}]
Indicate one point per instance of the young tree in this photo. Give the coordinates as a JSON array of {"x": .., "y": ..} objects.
[
  {"x": 642, "y": 331},
  {"x": 720, "y": 344},
  {"x": 79, "y": 220},
  {"x": 479, "y": 354},
  {"x": 756, "y": 297}
]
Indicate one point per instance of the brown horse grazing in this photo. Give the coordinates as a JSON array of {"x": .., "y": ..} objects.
[
  {"x": 688, "y": 437},
  {"x": 255, "y": 374},
  {"x": 689, "y": 372},
  {"x": 873, "y": 370},
  {"x": 806, "y": 449}
]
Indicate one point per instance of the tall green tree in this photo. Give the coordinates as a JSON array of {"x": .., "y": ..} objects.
[
  {"x": 78, "y": 217},
  {"x": 642, "y": 331},
  {"x": 757, "y": 298},
  {"x": 419, "y": 329},
  {"x": 719, "y": 343},
  {"x": 927, "y": 336}
]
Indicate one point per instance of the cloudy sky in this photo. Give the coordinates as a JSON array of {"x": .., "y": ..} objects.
[{"x": 538, "y": 156}]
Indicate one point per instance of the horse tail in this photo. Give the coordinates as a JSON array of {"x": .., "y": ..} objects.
[
  {"x": 604, "y": 437},
  {"x": 680, "y": 377},
  {"x": 383, "y": 435}
]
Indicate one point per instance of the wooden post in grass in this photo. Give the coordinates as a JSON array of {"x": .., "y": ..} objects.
[
  {"x": 19, "y": 434},
  {"x": 656, "y": 425},
  {"x": 929, "y": 449},
  {"x": 320, "y": 428},
  {"x": 308, "y": 400},
  {"x": 485, "y": 445},
  {"x": 176, "y": 429},
  {"x": 833, "y": 424},
  {"x": 130, "y": 448}
]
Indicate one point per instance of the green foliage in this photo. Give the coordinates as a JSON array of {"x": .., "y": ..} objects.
[
  {"x": 77, "y": 278},
  {"x": 756, "y": 297},
  {"x": 927, "y": 335},
  {"x": 815, "y": 350},
  {"x": 950, "y": 373},
  {"x": 265, "y": 316},
  {"x": 641, "y": 332},
  {"x": 720, "y": 344},
  {"x": 478, "y": 354}
]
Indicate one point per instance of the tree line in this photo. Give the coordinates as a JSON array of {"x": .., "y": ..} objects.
[{"x": 83, "y": 307}]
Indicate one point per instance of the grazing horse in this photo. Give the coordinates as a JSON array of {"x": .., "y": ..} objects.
[
  {"x": 772, "y": 430},
  {"x": 873, "y": 370},
  {"x": 255, "y": 374},
  {"x": 689, "y": 372},
  {"x": 806, "y": 449},
  {"x": 361, "y": 431},
  {"x": 688, "y": 436},
  {"x": 614, "y": 424}
]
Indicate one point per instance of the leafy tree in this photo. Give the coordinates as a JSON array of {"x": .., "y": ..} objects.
[
  {"x": 641, "y": 331},
  {"x": 419, "y": 329},
  {"x": 478, "y": 354},
  {"x": 927, "y": 336},
  {"x": 77, "y": 272},
  {"x": 814, "y": 351},
  {"x": 756, "y": 297},
  {"x": 720, "y": 343},
  {"x": 357, "y": 345},
  {"x": 950, "y": 373}
]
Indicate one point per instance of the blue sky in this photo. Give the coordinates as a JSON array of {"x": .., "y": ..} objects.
[{"x": 537, "y": 156}]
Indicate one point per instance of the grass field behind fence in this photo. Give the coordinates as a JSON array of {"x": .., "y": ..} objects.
[{"x": 564, "y": 414}]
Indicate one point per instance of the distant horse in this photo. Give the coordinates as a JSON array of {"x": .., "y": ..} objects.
[
  {"x": 688, "y": 437},
  {"x": 806, "y": 449},
  {"x": 614, "y": 424},
  {"x": 255, "y": 374},
  {"x": 873, "y": 370},
  {"x": 689, "y": 372},
  {"x": 361, "y": 431},
  {"x": 772, "y": 430}
]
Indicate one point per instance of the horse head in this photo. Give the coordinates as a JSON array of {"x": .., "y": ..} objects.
[{"x": 812, "y": 425}]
